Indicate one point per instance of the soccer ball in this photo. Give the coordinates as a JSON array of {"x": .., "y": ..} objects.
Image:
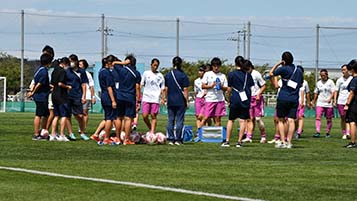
[
  {"x": 102, "y": 135},
  {"x": 122, "y": 136},
  {"x": 150, "y": 138},
  {"x": 134, "y": 137},
  {"x": 160, "y": 138},
  {"x": 44, "y": 133}
]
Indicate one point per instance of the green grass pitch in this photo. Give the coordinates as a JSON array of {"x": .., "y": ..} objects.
[{"x": 315, "y": 169}]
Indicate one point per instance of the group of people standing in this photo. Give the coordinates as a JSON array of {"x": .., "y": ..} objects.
[{"x": 71, "y": 89}]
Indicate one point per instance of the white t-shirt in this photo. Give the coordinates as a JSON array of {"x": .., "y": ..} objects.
[
  {"x": 198, "y": 88},
  {"x": 324, "y": 91},
  {"x": 214, "y": 95},
  {"x": 258, "y": 82},
  {"x": 153, "y": 84},
  {"x": 88, "y": 85},
  {"x": 341, "y": 87},
  {"x": 305, "y": 89}
]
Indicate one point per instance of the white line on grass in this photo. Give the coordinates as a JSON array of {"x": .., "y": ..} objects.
[{"x": 163, "y": 188}]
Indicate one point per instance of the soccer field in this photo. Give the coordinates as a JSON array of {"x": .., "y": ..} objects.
[{"x": 315, "y": 169}]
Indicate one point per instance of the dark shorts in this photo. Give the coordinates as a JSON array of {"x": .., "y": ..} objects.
[
  {"x": 351, "y": 114},
  {"x": 238, "y": 112},
  {"x": 42, "y": 109},
  {"x": 109, "y": 112},
  {"x": 286, "y": 109},
  {"x": 61, "y": 110},
  {"x": 126, "y": 109},
  {"x": 75, "y": 106}
]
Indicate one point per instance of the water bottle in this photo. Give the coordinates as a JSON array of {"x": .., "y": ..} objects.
[
  {"x": 266, "y": 76},
  {"x": 218, "y": 84}
]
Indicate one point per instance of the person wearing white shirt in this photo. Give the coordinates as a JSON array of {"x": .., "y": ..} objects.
[
  {"x": 153, "y": 83},
  {"x": 90, "y": 95},
  {"x": 216, "y": 85},
  {"x": 304, "y": 100},
  {"x": 341, "y": 96},
  {"x": 256, "y": 105},
  {"x": 323, "y": 101},
  {"x": 199, "y": 95}
]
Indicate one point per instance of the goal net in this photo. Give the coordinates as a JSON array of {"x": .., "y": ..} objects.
[{"x": 2, "y": 94}]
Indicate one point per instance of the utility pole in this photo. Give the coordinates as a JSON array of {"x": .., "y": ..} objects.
[
  {"x": 22, "y": 98},
  {"x": 317, "y": 51},
  {"x": 177, "y": 36},
  {"x": 236, "y": 39},
  {"x": 249, "y": 35},
  {"x": 105, "y": 32},
  {"x": 102, "y": 35},
  {"x": 244, "y": 41}
]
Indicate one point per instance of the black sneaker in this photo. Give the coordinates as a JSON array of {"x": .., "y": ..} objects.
[
  {"x": 239, "y": 144},
  {"x": 327, "y": 135},
  {"x": 316, "y": 135},
  {"x": 225, "y": 144},
  {"x": 38, "y": 137},
  {"x": 351, "y": 145}
]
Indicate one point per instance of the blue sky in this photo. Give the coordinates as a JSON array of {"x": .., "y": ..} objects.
[
  {"x": 205, "y": 28},
  {"x": 258, "y": 8}
]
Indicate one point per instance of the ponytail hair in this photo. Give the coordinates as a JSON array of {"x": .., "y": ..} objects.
[{"x": 177, "y": 62}]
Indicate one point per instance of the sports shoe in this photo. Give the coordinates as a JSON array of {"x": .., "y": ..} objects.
[
  {"x": 316, "y": 135},
  {"x": 263, "y": 140},
  {"x": 84, "y": 137},
  {"x": 128, "y": 142},
  {"x": 289, "y": 146},
  {"x": 171, "y": 143},
  {"x": 95, "y": 137},
  {"x": 239, "y": 145},
  {"x": 351, "y": 145},
  {"x": 273, "y": 141},
  {"x": 36, "y": 137},
  {"x": 53, "y": 138},
  {"x": 225, "y": 144},
  {"x": 100, "y": 143},
  {"x": 178, "y": 143},
  {"x": 281, "y": 145},
  {"x": 344, "y": 137},
  {"x": 133, "y": 128},
  {"x": 63, "y": 138},
  {"x": 107, "y": 141},
  {"x": 117, "y": 141},
  {"x": 247, "y": 140},
  {"x": 296, "y": 135},
  {"x": 327, "y": 135},
  {"x": 72, "y": 137}
]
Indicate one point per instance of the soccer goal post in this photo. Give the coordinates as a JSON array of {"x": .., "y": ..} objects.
[{"x": 2, "y": 94}]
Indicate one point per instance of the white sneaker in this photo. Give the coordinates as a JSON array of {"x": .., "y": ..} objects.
[
  {"x": 289, "y": 146},
  {"x": 272, "y": 141},
  {"x": 53, "y": 138},
  {"x": 63, "y": 138},
  {"x": 247, "y": 140},
  {"x": 281, "y": 145},
  {"x": 263, "y": 140},
  {"x": 344, "y": 137},
  {"x": 171, "y": 143}
]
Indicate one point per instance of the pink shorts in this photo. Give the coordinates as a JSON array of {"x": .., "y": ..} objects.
[
  {"x": 256, "y": 107},
  {"x": 150, "y": 108},
  {"x": 341, "y": 110},
  {"x": 328, "y": 111},
  {"x": 300, "y": 111},
  {"x": 199, "y": 106},
  {"x": 215, "y": 109}
]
